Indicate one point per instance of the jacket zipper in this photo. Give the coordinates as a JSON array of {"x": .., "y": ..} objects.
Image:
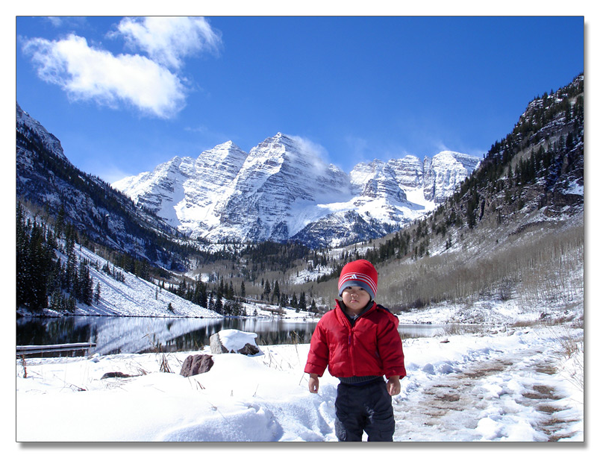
[{"x": 350, "y": 351}]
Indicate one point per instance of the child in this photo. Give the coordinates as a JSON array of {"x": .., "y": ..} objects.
[{"x": 360, "y": 343}]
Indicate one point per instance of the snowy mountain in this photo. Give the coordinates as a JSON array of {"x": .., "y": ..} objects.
[{"x": 282, "y": 190}]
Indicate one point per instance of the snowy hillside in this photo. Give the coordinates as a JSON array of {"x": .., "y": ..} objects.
[{"x": 133, "y": 296}]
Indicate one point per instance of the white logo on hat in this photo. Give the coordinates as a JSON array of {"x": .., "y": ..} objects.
[{"x": 354, "y": 277}]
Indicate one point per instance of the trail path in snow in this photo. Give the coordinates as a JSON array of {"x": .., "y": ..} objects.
[{"x": 499, "y": 398}]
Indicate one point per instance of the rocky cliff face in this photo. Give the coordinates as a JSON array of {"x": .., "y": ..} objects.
[
  {"x": 444, "y": 172},
  {"x": 282, "y": 190},
  {"x": 184, "y": 191}
]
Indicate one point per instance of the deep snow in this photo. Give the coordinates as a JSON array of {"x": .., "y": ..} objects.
[
  {"x": 515, "y": 385},
  {"x": 510, "y": 384}
]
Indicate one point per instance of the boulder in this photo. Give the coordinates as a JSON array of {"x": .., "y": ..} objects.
[
  {"x": 248, "y": 349},
  {"x": 233, "y": 341},
  {"x": 196, "y": 364},
  {"x": 216, "y": 347}
]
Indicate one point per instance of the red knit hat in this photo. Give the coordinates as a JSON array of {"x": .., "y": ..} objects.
[{"x": 359, "y": 273}]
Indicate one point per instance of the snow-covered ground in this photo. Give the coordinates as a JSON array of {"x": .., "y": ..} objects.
[
  {"x": 509, "y": 384},
  {"x": 308, "y": 275},
  {"x": 517, "y": 385}
]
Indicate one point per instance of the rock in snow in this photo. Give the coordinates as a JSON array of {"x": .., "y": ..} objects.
[
  {"x": 196, "y": 364},
  {"x": 232, "y": 340}
]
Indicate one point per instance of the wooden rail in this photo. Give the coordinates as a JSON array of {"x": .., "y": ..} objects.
[{"x": 25, "y": 349}]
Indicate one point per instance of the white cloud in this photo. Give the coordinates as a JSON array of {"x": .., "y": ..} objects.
[
  {"x": 168, "y": 40},
  {"x": 309, "y": 146},
  {"x": 86, "y": 73},
  {"x": 149, "y": 83}
]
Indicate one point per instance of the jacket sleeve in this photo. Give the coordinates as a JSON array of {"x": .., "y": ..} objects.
[
  {"x": 318, "y": 355},
  {"x": 390, "y": 347}
]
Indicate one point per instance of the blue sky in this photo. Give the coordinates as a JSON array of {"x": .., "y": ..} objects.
[{"x": 126, "y": 94}]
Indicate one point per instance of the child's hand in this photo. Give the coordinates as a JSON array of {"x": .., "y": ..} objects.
[
  {"x": 313, "y": 383},
  {"x": 393, "y": 385}
]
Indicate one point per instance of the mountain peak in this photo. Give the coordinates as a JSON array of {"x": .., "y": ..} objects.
[
  {"x": 279, "y": 143},
  {"x": 224, "y": 152},
  {"x": 228, "y": 145}
]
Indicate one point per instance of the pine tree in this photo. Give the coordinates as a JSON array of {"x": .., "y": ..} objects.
[
  {"x": 199, "y": 296},
  {"x": 35, "y": 263},
  {"x": 40, "y": 259},
  {"x": 97, "y": 294},
  {"x": 302, "y": 302},
  {"x": 23, "y": 273},
  {"x": 84, "y": 287},
  {"x": 276, "y": 291},
  {"x": 230, "y": 293},
  {"x": 219, "y": 303}
]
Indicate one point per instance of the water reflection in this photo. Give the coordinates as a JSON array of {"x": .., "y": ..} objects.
[{"x": 139, "y": 335}]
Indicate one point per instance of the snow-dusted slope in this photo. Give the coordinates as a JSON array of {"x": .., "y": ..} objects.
[
  {"x": 282, "y": 190},
  {"x": 132, "y": 296}
]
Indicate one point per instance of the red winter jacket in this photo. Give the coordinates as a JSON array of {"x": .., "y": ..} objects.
[{"x": 371, "y": 347}]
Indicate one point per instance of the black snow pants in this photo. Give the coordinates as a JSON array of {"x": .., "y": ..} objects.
[{"x": 365, "y": 408}]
